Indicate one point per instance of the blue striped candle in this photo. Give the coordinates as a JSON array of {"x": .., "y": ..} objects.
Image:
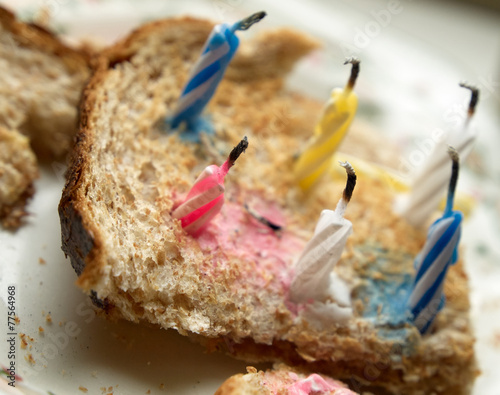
[
  {"x": 439, "y": 252},
  {"x": 206, "y": 74}
]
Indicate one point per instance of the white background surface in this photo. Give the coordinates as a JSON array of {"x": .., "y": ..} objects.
[{"x": 407, "y": 88}]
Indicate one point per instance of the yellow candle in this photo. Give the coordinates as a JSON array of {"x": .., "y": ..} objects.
[
  {"x": 335, "y": 121},
  {"x": 368, "y": 170}
]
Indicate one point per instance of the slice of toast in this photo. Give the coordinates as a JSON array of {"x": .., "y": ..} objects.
[
  {"x": 281, "y": 380},
  {"x": 229, "y": 288},
  {"x": 40, "y": 88}
]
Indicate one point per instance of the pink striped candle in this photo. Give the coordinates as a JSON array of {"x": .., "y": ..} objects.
[{"x": 206, "y": 198}]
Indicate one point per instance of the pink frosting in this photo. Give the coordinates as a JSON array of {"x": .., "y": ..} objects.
[
  {"x": 269, "y": 254},
  {"x": 315, "y": 384}
]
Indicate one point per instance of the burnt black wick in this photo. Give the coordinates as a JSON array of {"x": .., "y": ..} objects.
[
  {"x": 351, "y": 181},
  {"x": 474, "y": 97},
  {"x": 244, "y": 24},
  {"x": 354, "y": 71},
  {"x": 455, "y": 166},
  {"x": 237, "y": 151}
]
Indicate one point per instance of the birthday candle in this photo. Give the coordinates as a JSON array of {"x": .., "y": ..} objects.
[
  {"x": 429, "y": 184},
  {"x": 313, "y": 268},
  {"x": 336, "y": 118},
  {"x": 206, "y": 74},
  {"x": 206, "y": 197},
  {"x": 369, "y": 170},
  {"x": 439, "y": 252}
]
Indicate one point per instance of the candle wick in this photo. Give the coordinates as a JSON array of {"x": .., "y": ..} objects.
[
  {"x": 452, "y": 152},
  {"x": 238, "y": 150},
  {"x": 244, "y": 24},
  {"x": 474, "y": 98},
  {"x": 235, "y": 154},
  {"x": 349, "y": 188},
  {"x": 351, "y": 181},
  {"x": 354, "y": 71}
]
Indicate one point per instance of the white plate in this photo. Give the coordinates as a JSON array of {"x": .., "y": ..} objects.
[{"x": 405, "y": 87}]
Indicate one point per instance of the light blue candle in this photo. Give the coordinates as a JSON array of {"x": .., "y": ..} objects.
[
  {"x": 439, "y": 252},
  {"x": 206, "y": 74}
]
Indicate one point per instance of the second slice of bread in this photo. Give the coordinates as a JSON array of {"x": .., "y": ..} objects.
[
  {"x": 41, "y": 84},
  {"x": 40, "y": 88}
]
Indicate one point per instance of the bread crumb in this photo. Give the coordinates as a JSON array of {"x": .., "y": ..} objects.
[
  {"x": 41, "y": 330},
  {"x": 60, "y": 323},
  {"x": 83, "y": 389},
  {"x": 30, "y": 359},
  {"x": 48, "y": 318},
  {"x": 42, "y": 261},
  {"x": 24, "y": 343},
  {"x": 148, "y": 391},
  {"x": 251, "y": 369},
  {"x": 162, "y": 386},
  {"x": 103, "y": 390},
  {"x": 17, "y": 319},
  {"x": 25, "y": 339}
]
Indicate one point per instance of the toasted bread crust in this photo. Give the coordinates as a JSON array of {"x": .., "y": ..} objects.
[{"x": 80, "y": 238}]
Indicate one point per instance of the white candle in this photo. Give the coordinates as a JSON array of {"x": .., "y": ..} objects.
[
  {"x": 429, "y": 184},
  {"x": 313, "y": 269}
]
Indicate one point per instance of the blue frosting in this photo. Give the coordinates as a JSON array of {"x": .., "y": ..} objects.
[
  {"x": 193, "y": 128},
  {"x": 384, "y": 298}
]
